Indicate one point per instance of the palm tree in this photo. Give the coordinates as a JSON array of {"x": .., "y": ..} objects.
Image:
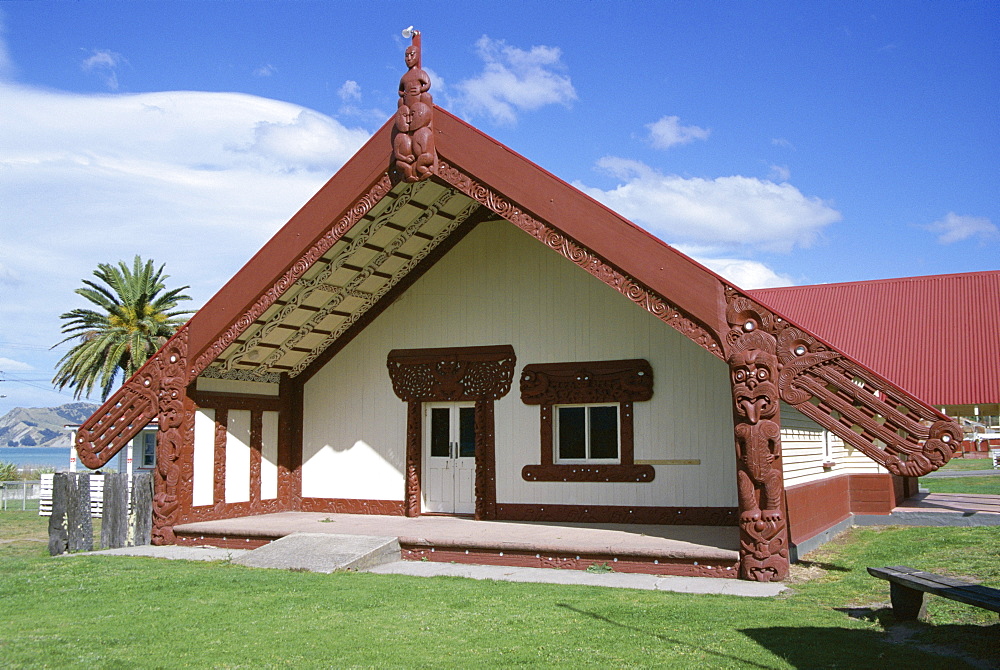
[{"x": 133, "y": 321}]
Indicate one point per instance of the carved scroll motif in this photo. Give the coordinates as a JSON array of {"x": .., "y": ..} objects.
[
  {"x": 760, "y": 488},
  {"x": 467, "y": 373},
  {"x": 121, "y": 418},
  {"x": 631, "y": 288},
  {"x": 413, "y": 134},
  {"x": 867, "y": 412},
  {"x": 479, "y": 374},
  {"x": 172, "y": 418},
  {"x": 586, "y": 382}
]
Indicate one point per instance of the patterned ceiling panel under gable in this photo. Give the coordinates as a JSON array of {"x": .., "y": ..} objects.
[{"x": 347, "y": 281}]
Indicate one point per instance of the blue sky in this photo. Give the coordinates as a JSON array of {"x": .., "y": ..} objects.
[{"x": 778, "y": 143}]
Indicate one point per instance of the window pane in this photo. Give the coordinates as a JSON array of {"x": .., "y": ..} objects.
[
  {"x": 440, "y": 431},
  {"x": 603, "y": 432},
  {"x": 467, "y": 432},
  {"x": 572, "y": 432},
  {"x": 148, "y": 450}
]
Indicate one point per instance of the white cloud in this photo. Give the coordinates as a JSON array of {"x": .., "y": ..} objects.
[
  {"x": 10, "y": 365},
  {"x": 350, "y": 91},
  {"x": 105, "y": 64},
  {"x": 265, "y": 70},
  {"x": 194, "y": 180},
  {"x": 783, "y": 143},
  {"x": 514, "y": 80},
  {"x": 724, "y": 213},
  {"x": 780, "y": 173},
  {"x": 745, "y": 274},
  {"x": 954, "y": 228},
  {"x": 668, "y": 132}
]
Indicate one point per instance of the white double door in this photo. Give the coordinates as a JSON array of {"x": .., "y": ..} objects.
[{"x": 449, "y": 481}]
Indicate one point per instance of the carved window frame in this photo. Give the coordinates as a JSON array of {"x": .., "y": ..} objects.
[{"x": 618, "y": 382}]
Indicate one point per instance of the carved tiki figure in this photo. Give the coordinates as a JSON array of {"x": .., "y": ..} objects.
[
  {"x": 763, "y": 538},
  {"x": 413, "y": 134}
]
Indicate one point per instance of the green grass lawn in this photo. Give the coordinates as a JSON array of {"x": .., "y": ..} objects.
[
  {"x": 989, "y": 484},
  {"x": 115, "y": 612},
  {"x": 969, "y": 464}
]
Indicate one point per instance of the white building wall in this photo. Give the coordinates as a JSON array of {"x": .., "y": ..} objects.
[
  {"x": 269, "y": 456},
  {"x": 238, "y": 456},
  {"x": 203, "y": 475},
  {"x": 806, "y": 447},
  {"x": 499, "y": 286}
]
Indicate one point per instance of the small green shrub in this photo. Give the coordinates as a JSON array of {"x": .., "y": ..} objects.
[{"x": 8, "y": 472}]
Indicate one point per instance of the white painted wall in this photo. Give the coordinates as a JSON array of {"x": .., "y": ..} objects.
[
  {"x": 238, "y": 456},
  {"x": 499, "y": 286},
  {"x": 805, "y": 446},
  {"x": 269, "y": 456},
  {"x": 203, "y": 475}
]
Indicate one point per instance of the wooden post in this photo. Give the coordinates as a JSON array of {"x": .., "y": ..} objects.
[
  {"x": 140, "y": 521},
  {"x": 78, "y": 522},
  {"x": 114, "y": 519},
  {"x": 58, "y": 538}
]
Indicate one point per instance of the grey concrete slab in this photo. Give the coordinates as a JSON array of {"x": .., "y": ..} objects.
[
  {"x": 620, "y": 580},
  {"x": 323, "y": 552}
]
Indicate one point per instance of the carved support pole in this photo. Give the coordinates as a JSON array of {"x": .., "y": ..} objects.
[
  {"x": 754, "y": 369},
  {"x": 486, "y": 476},
  {"x": 413, "y": 441},
  {"x": 173, "y": 417}
]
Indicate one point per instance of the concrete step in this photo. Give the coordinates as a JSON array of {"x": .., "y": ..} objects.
[{"x": 323, "y": 552}]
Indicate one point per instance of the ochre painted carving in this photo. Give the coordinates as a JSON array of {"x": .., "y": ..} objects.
[
  {"x": 549, "y": 384},
  {"x": 413, "y": 133},
  {"x": 173, "y": 417},
  {"x": 866, "y": 411},
  {"x": 479, "y": 374},
  {"x": 760, "y": 485},
  {"x": 674, "y": 516},
  {"x": 631, "y": 288}
]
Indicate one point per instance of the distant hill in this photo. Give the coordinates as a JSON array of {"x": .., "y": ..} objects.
[{"x": 42, "y": 426}]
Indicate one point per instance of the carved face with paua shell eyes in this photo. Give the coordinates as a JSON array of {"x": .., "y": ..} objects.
[{"x": 754, "y": 391}]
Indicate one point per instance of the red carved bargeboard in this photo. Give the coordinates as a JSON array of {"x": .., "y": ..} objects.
[{"x": 869, "y": 413}]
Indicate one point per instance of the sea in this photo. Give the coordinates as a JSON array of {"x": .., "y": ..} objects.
[{"x": 36, "y": 457}]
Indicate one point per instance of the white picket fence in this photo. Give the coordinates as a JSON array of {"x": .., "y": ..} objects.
[{"x": 96, "y": 496}]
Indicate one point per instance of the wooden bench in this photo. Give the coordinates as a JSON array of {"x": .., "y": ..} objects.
[{"x": 907, "y": 587}]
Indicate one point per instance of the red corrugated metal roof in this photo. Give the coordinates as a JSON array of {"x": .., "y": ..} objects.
[{"x": 938, "y": 337}]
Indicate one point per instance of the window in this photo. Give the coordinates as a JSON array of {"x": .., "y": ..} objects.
[
  {"x": 147, "y": 445},
  {"x": 586, "y": 413},
  {"x": 586, "y": 433}
]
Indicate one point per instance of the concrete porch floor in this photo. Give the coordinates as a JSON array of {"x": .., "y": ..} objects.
[{"x": 703, "y": 551}]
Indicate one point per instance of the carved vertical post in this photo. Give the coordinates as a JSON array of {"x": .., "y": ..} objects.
[
  {"x": 486, "y": 476},
  {"x": 413, "y": 444},
  {"x": 168, "y": 495},
  {"x": 754, "y": 368}
]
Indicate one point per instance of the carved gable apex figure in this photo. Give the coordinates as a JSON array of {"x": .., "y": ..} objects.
[{"x": 413, "y": 134}]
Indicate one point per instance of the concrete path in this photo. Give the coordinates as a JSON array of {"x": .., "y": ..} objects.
[{"x": 734, "y": 587}]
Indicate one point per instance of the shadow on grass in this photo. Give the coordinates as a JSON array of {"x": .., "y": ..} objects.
[
  {"x": 815, "y": 647},
  {"x": 742, "y": 662}
]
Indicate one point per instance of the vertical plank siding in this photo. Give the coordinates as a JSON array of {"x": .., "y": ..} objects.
[{"x": 498, "y": 286}]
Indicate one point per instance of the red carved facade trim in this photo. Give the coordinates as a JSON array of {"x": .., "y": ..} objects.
[
  {"x": 676, "y": 516},
  {"x": 631, "y": 288},
  {"x": 869, "y": 413},
  {"x": 619, "y": 382},
  {"x": 479, "y": 374},
  {"x": 248, "y": 401},
  {"x": 219, "y": 470},
  {"x": 760, "y": 485},
  {"x": 354, "y": 506},
  {"x": 175, "y": 438},
  {"x": 256, "y": 447},
  {"x": 360, "y": 207},
  {"x": 124, "y": 414}
]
